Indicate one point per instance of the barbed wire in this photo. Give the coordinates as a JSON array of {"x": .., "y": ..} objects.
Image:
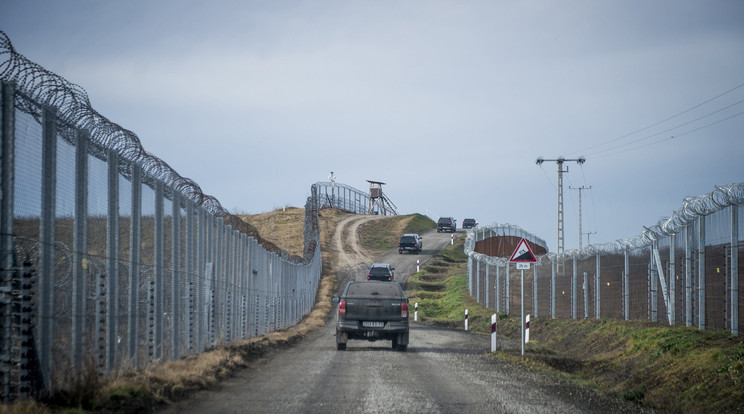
[
  {"x": 37, "y": 84},
  {"x": 692, "y": 208}
]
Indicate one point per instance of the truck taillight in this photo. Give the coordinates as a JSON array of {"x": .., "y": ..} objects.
[
  {"x": 403, "y": 310},
  {"x": 369, "y": 276},
  {"x": 342, "y": 308}
]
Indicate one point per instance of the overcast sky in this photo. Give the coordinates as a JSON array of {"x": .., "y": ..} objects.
[{"x": 449, "y": 103}]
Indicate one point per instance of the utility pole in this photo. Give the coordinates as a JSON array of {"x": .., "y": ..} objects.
[
  {"x": 580, "y": 232},
  {"x": 560, "y": 160},
  {"x": 588, "y": 242}
]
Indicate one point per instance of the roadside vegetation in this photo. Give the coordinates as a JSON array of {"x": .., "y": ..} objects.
[
  {"x": 381, "y": 235},
  {"x": 673, "y": 369}
]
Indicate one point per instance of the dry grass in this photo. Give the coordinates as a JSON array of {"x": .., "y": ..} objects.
[
  {"x": 283, "y": 227},
  {"x": 160, "y": 383}
]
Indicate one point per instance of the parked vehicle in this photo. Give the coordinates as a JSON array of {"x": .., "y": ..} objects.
[
  {"x": 372, "y": 311},
  {"x": 469, "y": 223},
  {"x": 446, "y": 224},
  {"x": 410, "y": 242},
  {"x": 381, "y": 271}
]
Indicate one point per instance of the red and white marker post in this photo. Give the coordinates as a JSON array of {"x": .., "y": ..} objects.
[
  {"x": 415, "y": 311},
  {"x": 417, "y": 265},
  {"x": 466, "y": 319},
  {"x": 493, "y": 332},
  {"x": 527, "y": 329}
]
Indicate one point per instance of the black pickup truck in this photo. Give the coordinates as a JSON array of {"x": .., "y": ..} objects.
[
  {"x": 446, "y": 224},
  {"x": 372, "y": 311}
]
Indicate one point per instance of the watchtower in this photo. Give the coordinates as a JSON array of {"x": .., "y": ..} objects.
[{"x": 378, "y": 201}]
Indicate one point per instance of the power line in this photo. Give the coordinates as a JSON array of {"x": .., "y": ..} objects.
[
  {"x": 594, "y": 154},
  {"x": 600, "y": 155},
  {"x": 584, "y": 151}
]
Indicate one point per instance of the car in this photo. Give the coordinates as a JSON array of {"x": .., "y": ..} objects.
[
  {"x": 410, "y": 242},
  {"x": 446, "y": 224},
  {"x": 381, "y": 271},
  {"x": 469, "y": 223},
  {"x": 372, "y": 311}
]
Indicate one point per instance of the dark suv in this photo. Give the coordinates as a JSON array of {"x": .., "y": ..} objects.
[
  {"x": 469, "y": 223},
  {"x": 381, "y": 271},
  {"x": 410, "y": 242},
  {"x": 446, "y": 224}
]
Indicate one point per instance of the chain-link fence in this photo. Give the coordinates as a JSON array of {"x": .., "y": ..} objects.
[
  {"x": 110, "y": 259},
  {"x": 683, "y": 270},
  {"x": 342, "y": 196}
]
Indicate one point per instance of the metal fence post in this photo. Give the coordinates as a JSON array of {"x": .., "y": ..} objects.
[
  {"x": 80, "y": 242},
  {"x": 734, "y": 270},
  {"x": 477, "y": 279},
  {"x": 201, "y": 260},
  {"x": 507, "y": 298},
  {"x": 7, "y": 248},
  {"x": 47, "y": 238},
  {"x": 217, "y": 300},
  {"x": 498, "y": 288},
  {"x": 244, "y": 285},
  {"x": 653, "y": 285},
  {"x": 586, "y": 297},
  {"x": 688, "y": 275},
  {"x": 470, "y": 275},
  {"x": 135, "y": 243},
  {"x": 672, "y": 307},
  {"x": 488, "y": 284},
  {"x": 626, "y": 283},
  {"x": 112, "y": 268},
  {"x": 176, "y": 276},
  {"x": 598, "y": 296},
  {"x": 159, "y": 275},
  {"x": 534, "y": 292},
  {"x": 227, "y": 280},
  {"x": 553, "y": 269},
  {"x": 701, "y": 272},
  {"x": 190, "y": 279},
  {"x": 234, "y": 291},
  {"x": 573, "y": 290}
]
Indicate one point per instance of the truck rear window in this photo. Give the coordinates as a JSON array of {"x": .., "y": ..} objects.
[
  {"x": 365, "y": 289},
  {"x": 378, "y": 271},
  {"x": 408, "y": 239}
]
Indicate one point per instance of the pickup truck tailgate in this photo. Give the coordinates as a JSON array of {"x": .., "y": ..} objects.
[
  {"x": 373, "y": 309},
  {"x": 374, "y": 302}
]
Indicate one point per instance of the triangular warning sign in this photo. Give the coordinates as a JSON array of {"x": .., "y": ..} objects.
[{"x": 523, "y": 253}]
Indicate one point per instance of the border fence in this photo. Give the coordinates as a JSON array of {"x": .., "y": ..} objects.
[
  {"x": 342, "y": 196},
  {"x": 110, "y": 260},
  {"x": 683, "y": 270}
]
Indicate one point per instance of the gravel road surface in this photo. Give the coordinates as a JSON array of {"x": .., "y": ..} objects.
[{"x": 443, "y": 371}]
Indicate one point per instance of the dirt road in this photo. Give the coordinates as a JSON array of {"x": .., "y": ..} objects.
[{"x": 443, "y": 371}]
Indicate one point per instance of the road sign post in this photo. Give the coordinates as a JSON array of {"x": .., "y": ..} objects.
[{"x": 522, "y": 257}]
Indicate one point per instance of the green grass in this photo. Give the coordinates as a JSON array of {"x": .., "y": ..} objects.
[
  {"x": 381, "y": 235},
  {"x": 675, "y": 369}
]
